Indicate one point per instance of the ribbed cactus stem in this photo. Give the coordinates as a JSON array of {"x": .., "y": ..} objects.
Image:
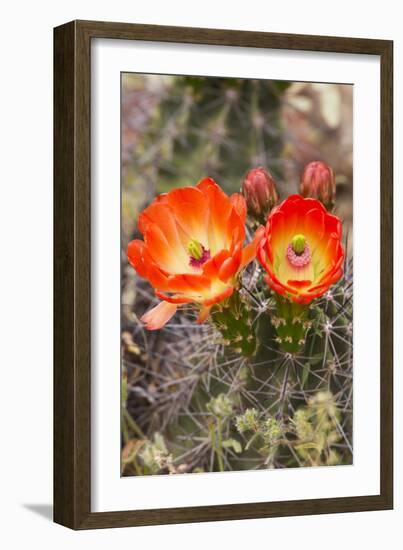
[
  {"x": 233, "y": 319},
  {"x": 219, "y": 127},
  {"x": 291, "y": 323}
]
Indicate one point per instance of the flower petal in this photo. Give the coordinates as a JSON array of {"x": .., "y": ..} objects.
[
  {"x": 250, "y": 250},
  {"x": 190, "y": 209},
  {"x": 299, "y": 283},
  {"x": 333, "y": 225},
  {"x": 174, "y": 299},
  {"x": 204, "y": 313},
  {"x": 164, "y": 253},
  {"x": 160, "y": 214},
  {"x": 135, "y": 256},
  {"x": 219, "y": 297},
  {"x": 239, "y": 204},
  {"x": 220, "y": 210},
  {"x": 189, "y": 283},
  {"x": 212, "y": 266},
  {"x": 159, "y": 315},
  {"x": 228, "y": 268}
]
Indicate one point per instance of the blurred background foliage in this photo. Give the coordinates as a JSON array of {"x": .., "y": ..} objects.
[
  {"x": 184, "y": 399},
  {"x": 176, "y": 130}
]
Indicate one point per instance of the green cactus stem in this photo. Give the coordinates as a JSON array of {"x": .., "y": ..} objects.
[
  {"x": 233, "y": 318},
  {"x": 291, "y": 323},
  {"x": 219, "y": 127}
]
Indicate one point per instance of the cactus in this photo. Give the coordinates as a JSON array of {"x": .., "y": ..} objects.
[
  {"x": 292, "y": 324},
  {"x": 215, "y": 126},
  {"x": 233, "y": 319},
  {"x": 186, "y": 384},
  {"x": 265, "y": 382}
]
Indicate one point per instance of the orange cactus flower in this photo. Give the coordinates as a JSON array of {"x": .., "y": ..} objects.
[
  {"x": 301, "y": 250},
  {"x": 193, "y": 248}
]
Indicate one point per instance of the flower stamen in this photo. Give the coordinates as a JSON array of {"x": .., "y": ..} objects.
[
  {"x": 298, "y": 252},
  {"x": 298, "y": 243},
  {"x": 198, "y": 254}
]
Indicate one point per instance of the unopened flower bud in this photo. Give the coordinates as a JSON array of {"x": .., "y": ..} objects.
[
  {"x": 318, "y": 182},
  {"x": 260, "y": 192}
]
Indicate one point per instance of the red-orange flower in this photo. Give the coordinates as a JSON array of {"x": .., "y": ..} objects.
[
  {"x": 301, "y": 250},
  {"x": 192, "y": 249}
]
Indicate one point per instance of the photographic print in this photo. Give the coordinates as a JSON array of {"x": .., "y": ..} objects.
[
  {"x": 236, "y": 274},
  {"x": 213, "y": 189}
]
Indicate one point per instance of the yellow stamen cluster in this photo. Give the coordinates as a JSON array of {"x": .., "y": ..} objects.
[{"x": 195, "y": 249}]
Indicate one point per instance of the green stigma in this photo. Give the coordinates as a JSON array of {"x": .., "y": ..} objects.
[
  {"x": 298, "y": 243},
  {"x": 195, "y": 249}
]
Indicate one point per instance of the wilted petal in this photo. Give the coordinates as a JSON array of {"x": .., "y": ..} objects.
[{"x": 158, "y": 316}]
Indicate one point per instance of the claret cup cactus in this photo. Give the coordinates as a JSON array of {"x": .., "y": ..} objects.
[
  {"x": 257, "y": 296},
  {"x": 302, "y": 254},
  {"x": 193, "y": 252}
]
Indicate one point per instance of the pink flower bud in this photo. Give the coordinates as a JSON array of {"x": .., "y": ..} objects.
[
  {"x": 260, "y": 192},
  {"x": 317, "y": 182}
]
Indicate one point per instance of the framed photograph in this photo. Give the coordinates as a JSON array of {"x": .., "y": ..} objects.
[{"x": 222, "y": 275}]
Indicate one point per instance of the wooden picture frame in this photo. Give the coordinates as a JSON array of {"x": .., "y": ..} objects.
[{"x": 72, "y": 272}]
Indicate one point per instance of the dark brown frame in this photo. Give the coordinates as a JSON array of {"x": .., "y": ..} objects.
[{"x": 72, "y": 318}]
